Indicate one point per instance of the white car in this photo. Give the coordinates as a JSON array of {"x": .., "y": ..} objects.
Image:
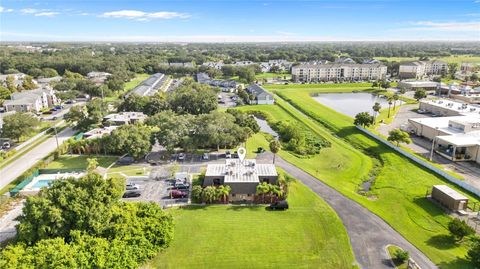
[
  {"x": 131, "y": 187},
  {"x": 181, "y": 156}
]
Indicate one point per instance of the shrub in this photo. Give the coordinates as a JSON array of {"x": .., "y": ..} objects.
[{"x": 401, "y": 256}]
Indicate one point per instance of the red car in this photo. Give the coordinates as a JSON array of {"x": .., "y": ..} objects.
[{"x": 178, "y": 194}]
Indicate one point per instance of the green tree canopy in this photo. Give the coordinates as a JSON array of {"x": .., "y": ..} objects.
[
  {"x": 18, "y": 125},
  {"x": 363, "y": 119},
  {"x": 398, "y": 136},
  {"x": 132, "y": 139}
]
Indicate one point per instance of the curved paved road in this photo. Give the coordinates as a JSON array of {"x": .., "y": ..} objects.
[{"x": 368, "y": 233}]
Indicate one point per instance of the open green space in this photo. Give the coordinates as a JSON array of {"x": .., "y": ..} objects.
[
  {"x": 273, "y": 75},
  {"x": 79, "y": 161},
  {"x": 128, "y": 86},
  {"x": 449, "y": 59},
  {"x": 129, "y": 170},
  {"x": 308, "y": 235},
  {"x": 398, "y": 192}
]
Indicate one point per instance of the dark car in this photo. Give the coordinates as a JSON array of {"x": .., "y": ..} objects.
[
  {"x": 178, "y": 194},
  {"x": 260, "y": 150},
  {"x": 280, "y": 205},
  {"x": 126, "y": 160},
  {"x": 181, "y": 186},
  {"x": 132, "y": 193}
]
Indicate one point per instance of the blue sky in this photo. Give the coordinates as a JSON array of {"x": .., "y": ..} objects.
[{"x": 238, "y": 21}]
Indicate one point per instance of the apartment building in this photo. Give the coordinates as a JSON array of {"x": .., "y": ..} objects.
[
  {"x": 420, "y": 69},
  {"x": 338, "y": 72},
  {"x": 31, "y": 101}
]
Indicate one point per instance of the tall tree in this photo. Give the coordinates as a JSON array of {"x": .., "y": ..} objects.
[
  {"x": 419, "y": 94},
  {"x": 19, "y": 124},
  {"x": 395, "y": 99},
  {"x": 275, "y": 147},
  {"x": 132, "y": 139},
  {"x": 399, "y": 136},
  {"x": 363, "y": 119},
  {"x": 28, "y": 83},
  {"x": 376, "y": 109}
]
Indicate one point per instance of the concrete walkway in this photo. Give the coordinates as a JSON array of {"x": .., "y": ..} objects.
[
  {"x": 8, "y": 222},
  {"x": 368, "y": 233}
]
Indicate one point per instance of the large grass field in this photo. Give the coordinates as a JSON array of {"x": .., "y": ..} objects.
[
  {"x": 308, "y": 235},
  {"x": 398, "y": 194},
  {"x": 79, "y": 162},
  {"x": 449, "y": 59}
]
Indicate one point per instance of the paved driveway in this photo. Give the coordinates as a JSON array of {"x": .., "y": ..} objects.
[{"x": 368, "y": 233}]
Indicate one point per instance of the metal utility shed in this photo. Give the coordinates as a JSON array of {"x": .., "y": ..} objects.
[{"x": 449, "y": 198}]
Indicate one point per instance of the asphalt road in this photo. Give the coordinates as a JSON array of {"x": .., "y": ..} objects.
[
  {"x": 20, "y": 165},
  {"x": 369, "y": 234}
]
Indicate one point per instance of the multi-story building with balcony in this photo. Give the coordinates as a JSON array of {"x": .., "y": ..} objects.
[{"x": 338, "y": 72}]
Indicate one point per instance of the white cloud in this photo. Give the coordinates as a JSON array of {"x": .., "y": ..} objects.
[
  {"x": 1, "y": 9},
  {"x": 9, "y": 10},
  {"x": 144, "y": 16},
  {"x": 29, "y": 11},
  {"x": 447, "y": 26},
  {"x": 46, "y": 14}
]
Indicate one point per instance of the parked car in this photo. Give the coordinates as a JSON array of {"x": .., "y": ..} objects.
[
  {"x": 260, "y": 150},
  {"x": 6, "y": 145},
  {"x": 228, "y": 154},
  {"x": 181, "y": 186},
  {"x": 181, "y": 156},
  {"x": 132, "y": 193},
  {"x": 205, "y": 156},
  {"x": 126, "y": 160},
  {"x": 280, "y": 205},
  {"x": 178, "y": 194},
  {"x": 58, "y": 107},
  {"x": 131, "y": 186}
]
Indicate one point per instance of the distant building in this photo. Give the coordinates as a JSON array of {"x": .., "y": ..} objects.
[
  {"x": 262, "y": 97},
  {"x": 226, "y": 85},
  {"x": 150, "y": 86},
  {"x": 338, "y": 72},
  {"x": 371, "y": 61},
  {"x": 215, "y": 65},
  {"x": 412, "y": 85},
  {"x": 344, "y": 60},
  {"x": 98, "y": 77},
  {"x": 243, "y": 63},
  {"x": 242, "y": 177},
  {"x": 31, "y": 100},
  {"x": 420, "y": 69},
  {"x": 123, "y": 118},
  {"x": 99, "y": 132}
]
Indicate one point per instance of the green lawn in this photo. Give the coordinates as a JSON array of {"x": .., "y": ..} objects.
[
  {"x": 129, "y": 170},
  {"x": 398, "y": 194},
  {"x": 79, "y": 162},
  {"x": 308, "y": 235},
  {"x": 449, "y": 59},
  {"x": 273, "y": 75},
  {"x": 128, "y": 86}
]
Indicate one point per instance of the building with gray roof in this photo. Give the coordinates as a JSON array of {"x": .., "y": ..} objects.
[
  {"x": 262, "y": 96},
  {"x": 242, "y": 177},
  {"x": 338, "y": 72},
  {"x": 149, "y": 86}
]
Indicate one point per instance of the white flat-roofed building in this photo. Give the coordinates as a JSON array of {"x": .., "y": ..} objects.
[
  {"x": 445, "y": 107},
  {"x": 456, "y": 136},
  {"x": 242, "y": 177},
  {"x": 338, "y": 72},
  {"x": 123, "y": 118},
  {"x": 99, "y": 132},
  {"x": 412, "y": 85}
]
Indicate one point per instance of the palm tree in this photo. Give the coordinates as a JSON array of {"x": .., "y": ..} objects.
[
  {"x": 275, "y": 147},
  {"x": 395, "y": 99},
  {"x": 209, "y": 194},
  {"x": 376, "y": 108},
  {"x": 224, "y": 191},
  {"x": 263, "y": 189},
  {"x": 275, "y": 190},
  {"x": 390, "y": 99}
]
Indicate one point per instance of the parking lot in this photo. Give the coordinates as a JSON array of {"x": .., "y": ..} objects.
[
  {"x": 157, "y": 191},
  {"x": 226, "y": 99}
]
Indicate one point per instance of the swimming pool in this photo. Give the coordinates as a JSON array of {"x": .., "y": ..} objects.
[{"x": 42, "y": 183}]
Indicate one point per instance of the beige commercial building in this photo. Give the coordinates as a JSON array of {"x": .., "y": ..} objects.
[
  {"x": 338, "y": 72},
  {"x": 420, "y": 69},
  {"x": 449, "y": 198},
  {"x": 455, "y": 135}
]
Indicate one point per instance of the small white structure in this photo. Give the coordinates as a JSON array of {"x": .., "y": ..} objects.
[{"x": 123, "y": 118}]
